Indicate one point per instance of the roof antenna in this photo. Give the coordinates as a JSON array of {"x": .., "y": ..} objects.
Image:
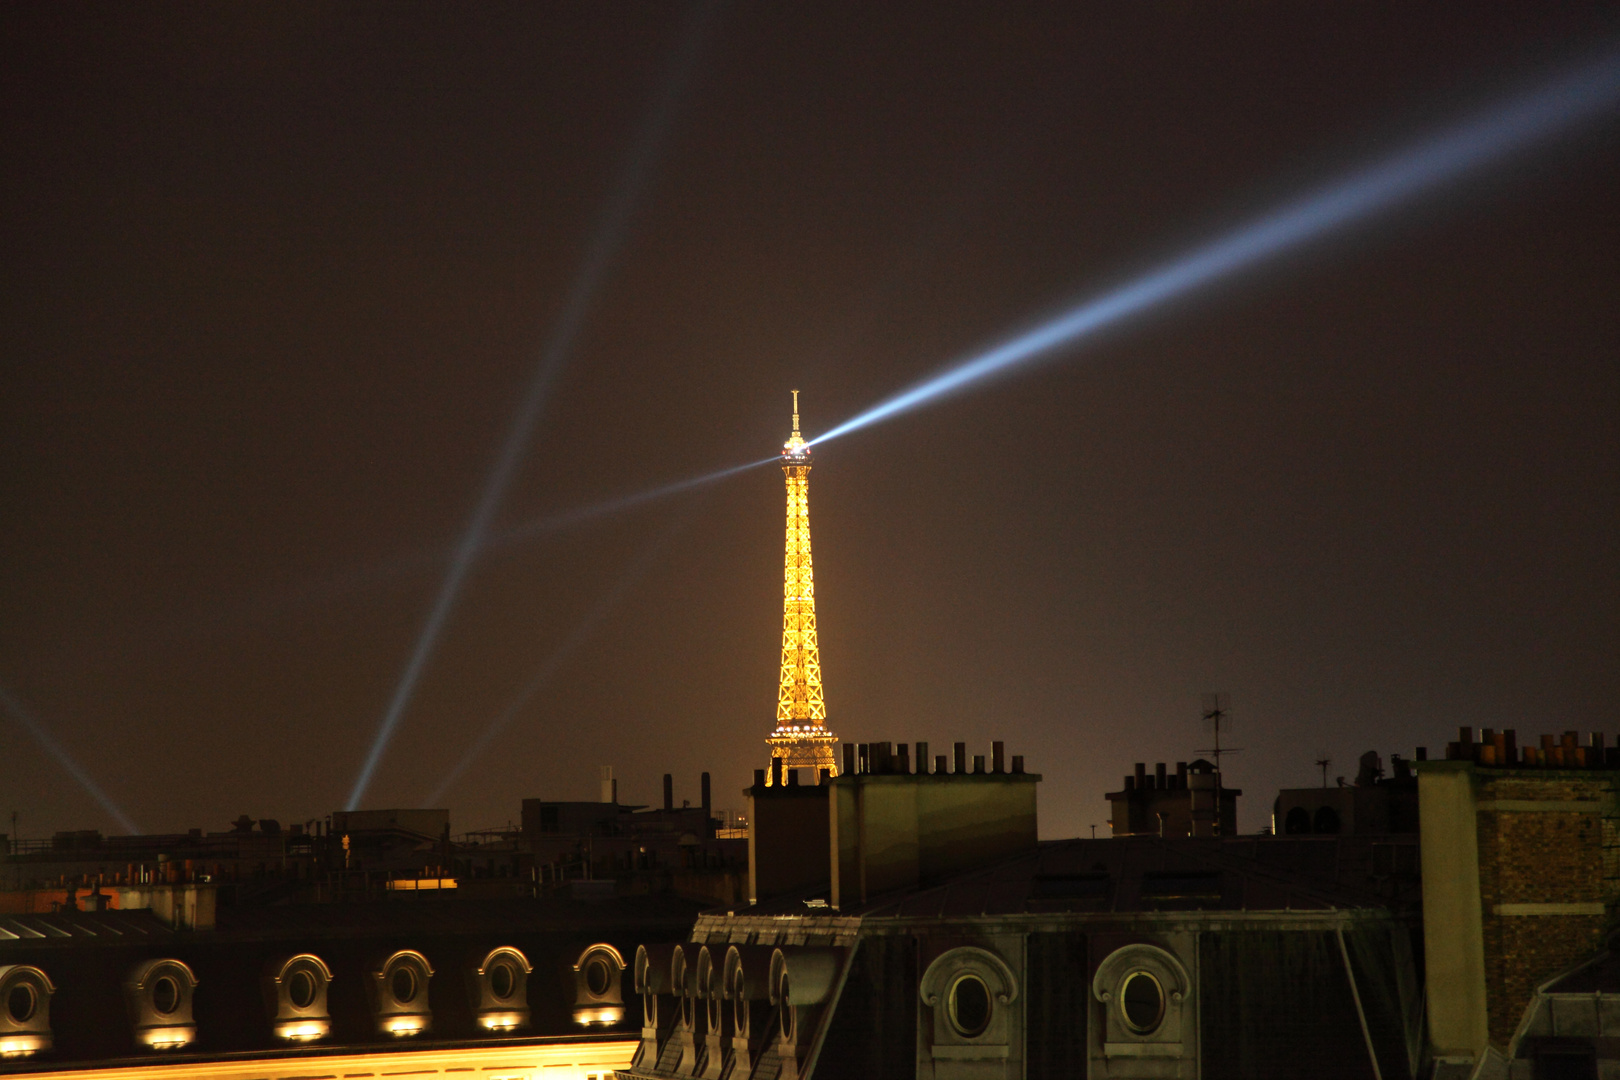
[
  {"x": 1322, "y": 763},
  {"x": 1218, "y": 718}
]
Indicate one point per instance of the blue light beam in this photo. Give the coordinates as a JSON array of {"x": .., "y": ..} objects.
[
  {"x": 577, "y": 637},
  {"x": 1482, "y": 140},
  {"x": 30, "y": 723},
  {"x": 611, "y": 231}
]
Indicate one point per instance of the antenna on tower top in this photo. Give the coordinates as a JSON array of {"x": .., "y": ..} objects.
[{"x": 795, "y": 412}]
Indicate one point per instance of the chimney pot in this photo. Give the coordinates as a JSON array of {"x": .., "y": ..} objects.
[
  {"x": 759, "y": 781},
  {"x": 978, "y": 764},
  {"x": 1423, "y": 753},
  {"x": 793, "y": 778},
  {"x": 1465, "y": 736},
  {"x": 849, "y": 758},
  {"x": 1018, "y": 764},
  {"x": 960, "y": 751},
  {"x": 941, "y": 765},
  {"x": 776, "y": 772},
  {"x": 922, "y": 759},
  {"x": 669, "y": 791},
  {"x": 997, "y": 756},
  {"x": 705, "y": 783},
  {"x": 902, "y": 759}
]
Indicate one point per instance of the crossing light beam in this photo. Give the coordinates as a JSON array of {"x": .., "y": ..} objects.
[
  {"x": 31, "y": 724},
  {"x": 612, "y": 229}
]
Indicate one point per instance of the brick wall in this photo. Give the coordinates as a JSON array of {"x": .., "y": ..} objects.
[{"x": 1533, "y": 856}]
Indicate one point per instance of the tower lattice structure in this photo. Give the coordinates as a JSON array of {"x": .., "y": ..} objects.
[{"x": 801, "y": 738}]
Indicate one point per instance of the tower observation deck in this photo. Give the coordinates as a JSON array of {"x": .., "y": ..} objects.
[{"x": 801, "y": 739}]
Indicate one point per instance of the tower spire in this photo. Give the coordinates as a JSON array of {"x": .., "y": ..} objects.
[{"x": 801, "y": 738}]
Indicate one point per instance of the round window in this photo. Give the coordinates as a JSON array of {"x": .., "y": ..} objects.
[
  {"x": 969, "y": 1006},
  {"x": 502, "y": 980},
  {"x": 403, "y": 984},
  {"x": 165, "y": 995},
  {"x": 20, "y": 1003},
  {"x": 598, "y": 977},
  {"x": 1141, "y": 998},
  {"x": 301, "y": 989}
]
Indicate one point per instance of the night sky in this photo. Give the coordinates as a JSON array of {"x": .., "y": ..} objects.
[{"x": 276, "y": 278}]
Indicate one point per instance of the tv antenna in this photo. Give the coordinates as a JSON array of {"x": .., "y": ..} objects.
[
  {"x": 1322, "y": 762},
  {"x": 1217, "y": 719}
]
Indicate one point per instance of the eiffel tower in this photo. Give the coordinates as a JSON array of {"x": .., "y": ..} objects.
[{"x": 801, "y": 738}]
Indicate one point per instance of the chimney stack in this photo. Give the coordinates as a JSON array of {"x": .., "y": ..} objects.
[
  {"x": 705, "y": 796},
  {"x": 669, "y": 791}
]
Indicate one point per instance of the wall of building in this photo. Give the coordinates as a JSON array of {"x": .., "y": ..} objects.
[{"x": 1519, "y": 871}]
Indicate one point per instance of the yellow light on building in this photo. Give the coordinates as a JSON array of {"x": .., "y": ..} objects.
[{"x": 801, "y": 738}]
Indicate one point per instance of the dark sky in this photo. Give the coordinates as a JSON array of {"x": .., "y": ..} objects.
[{"x": 276, "y": 276}]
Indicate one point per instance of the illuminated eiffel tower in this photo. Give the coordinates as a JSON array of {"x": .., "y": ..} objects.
[{"x": 801, "y": 738}]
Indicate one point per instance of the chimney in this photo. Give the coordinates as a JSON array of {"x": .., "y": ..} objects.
[
  {"x": 669, "y": 791},
  {"x": 615, "y": 792},
  {"x": 998, "y": 752},
  {"x": 793, "y": 778},
  {"x": 776, "y": 772},
  {"x": 902, "y": 759},
  {"x": 961, "y": 758},
  {"x": 705, "y": 796},
  {"x": 849, "y": 758},
  {"x": 890, "y": 831},
  {"x": 606, "y": 772},
  {"x": 1158, "y": 776},
  {"x": 759, "y": 780},
  {"x": 941, "y": 765},
  {"x": 1141, "y": 776},
  {"x": 922, "y": 759}
]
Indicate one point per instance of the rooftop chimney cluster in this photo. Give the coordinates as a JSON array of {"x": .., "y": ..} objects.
[
  {"x": 1501, "y": 749},
  {"x": 883, "y": 758},
  {"x": 1161, "y": 779}
]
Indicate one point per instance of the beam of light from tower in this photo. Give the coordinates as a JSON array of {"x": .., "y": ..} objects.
[
  {"x": 611, "y": 231},
  {"x": 567, "y": 519},
  {"x": 576, "y": 637},
  {"x": 1485, "y": 139},
  {"x": 30, "y": 723}
]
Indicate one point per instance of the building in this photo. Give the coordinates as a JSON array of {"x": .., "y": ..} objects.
[
  {"x": 938, "y": 938},
  {"x": 1192, "y": 801},
  {"x": 422, "y": 984},
  {"x": 1374, "y": 804},
  {"x": 1521, "y": 871},
  {"x": 801, "y": 738}
]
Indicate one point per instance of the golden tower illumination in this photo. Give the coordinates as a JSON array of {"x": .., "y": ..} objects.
[{"x": 801, "y": 738}]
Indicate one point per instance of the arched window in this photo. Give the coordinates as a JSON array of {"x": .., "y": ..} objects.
[
  {"x": 1144, "y": 993},
  {"x": 971, "y": 992},
  {"x": 1327, "y": 820},
  {"x": 1298, "y": 822}
]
